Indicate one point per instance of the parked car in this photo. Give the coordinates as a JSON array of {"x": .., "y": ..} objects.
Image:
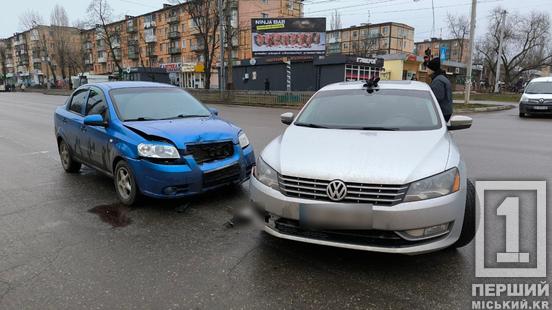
[
  {"x": 537, "y": 98},
  {"x": 153, "y": 139},
  {"x": 367, "y": 168}
]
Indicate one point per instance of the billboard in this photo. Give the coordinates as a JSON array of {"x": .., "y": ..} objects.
[{"x": 288, "y": 36}]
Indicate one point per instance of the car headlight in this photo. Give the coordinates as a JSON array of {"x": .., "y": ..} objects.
[
  {"x": 524, "y": 100},
  {"x": 244, "y": 141},
  {"x": 439, "y": 185},
  {"x": 156, "y": 150},
  {"x": 266, "y": 175}
]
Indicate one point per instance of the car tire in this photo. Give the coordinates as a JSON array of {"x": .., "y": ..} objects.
[
  {"x": 69, "y": 164},
  {"x": 468, "y": 226},
  {"x": 125, "y": 184},
  {"x": 522, "y": 114}
]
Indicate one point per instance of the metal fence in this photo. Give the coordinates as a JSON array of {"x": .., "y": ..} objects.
[{"x": 275, "y": 98}]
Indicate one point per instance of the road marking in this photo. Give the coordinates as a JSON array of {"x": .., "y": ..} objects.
[{"x": 36, "y": 153}]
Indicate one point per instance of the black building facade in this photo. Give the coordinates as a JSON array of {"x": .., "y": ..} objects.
[{"x": 308, "y": 73}]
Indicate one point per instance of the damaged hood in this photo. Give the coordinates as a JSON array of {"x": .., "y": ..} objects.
[
  {"x": 186, "y": 131},
  {"x": 373, "y": 157}
]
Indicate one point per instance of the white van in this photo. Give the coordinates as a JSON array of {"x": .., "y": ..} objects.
[{"x": 537, "y": 98}]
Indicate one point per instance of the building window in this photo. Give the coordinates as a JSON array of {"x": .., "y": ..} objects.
[
  {"x": 291, "y": 4},
  {"x": 184, "y": 43},
  {"x": 360, "y": 73},
  {"x": 264, "y": 1},
  {"x": 385, "y": 30},
  {"x": 264, "y": 15}
]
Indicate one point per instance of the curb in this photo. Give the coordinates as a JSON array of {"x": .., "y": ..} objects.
[{"x": 487, "y": 109}]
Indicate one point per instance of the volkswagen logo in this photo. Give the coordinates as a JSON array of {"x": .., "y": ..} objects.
[
  {"x": 541, "y": 101},
  {"x": 336, "y": 190}
]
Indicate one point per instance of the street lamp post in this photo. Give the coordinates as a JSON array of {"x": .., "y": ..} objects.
[{"x": 471, "y": 45}]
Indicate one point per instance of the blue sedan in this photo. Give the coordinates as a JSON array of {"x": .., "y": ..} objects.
[{"x": 153, "y": 139}]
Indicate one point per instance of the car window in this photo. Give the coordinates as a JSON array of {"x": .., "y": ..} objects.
[
  {"x": 145, "y": 104},
  {"x": 77, "y": 102},
  {"x": 96, "y": 103},
  {"x": 539, "y": 88},
  {"x": 385, "y": 109}
]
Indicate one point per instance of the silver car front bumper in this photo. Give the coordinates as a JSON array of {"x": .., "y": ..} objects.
[{"x": 401, "y": 217}]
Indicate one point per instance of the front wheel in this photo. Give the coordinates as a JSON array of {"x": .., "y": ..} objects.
[
  {"x": 67, "y": 161},
  {"x": 125, "y": 184},
  {"x": 522, "y": 114},
  {"x": 468, "y": 227}
]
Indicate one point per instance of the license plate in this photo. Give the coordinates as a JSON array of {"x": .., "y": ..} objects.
[
  {"x": 338, "y": 216},
  {"x": 540, "y": 108}
]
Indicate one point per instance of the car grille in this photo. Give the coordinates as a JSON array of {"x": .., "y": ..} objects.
[
  {"x": 358, "y": 237},
  {"x": 222, "y": 176},
  {"x": 537, "y": 101},
  {"x": 381, "y": 195},
  {"x": 208, "y": 152}
]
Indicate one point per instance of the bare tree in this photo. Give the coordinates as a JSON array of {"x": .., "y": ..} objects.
[
  {"x": 61, "y": 39},
  {"x": 29, "y": 20},
  {"x": 459, "y": 29},
  {"x": 3, "y": 58},
  {"x": 101, "y": 14},
  {"x": 526, "y": 44},
  {"x": 335, "y": 21},
  {"x": 205, "y": 17}
]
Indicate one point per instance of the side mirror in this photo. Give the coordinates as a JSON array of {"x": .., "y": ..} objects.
[
  {"x": 95, "y": 120},
  {"x": 459, "y": 122},
  {"x": 214, "y": 111},
  {"x": 287, "y": 118}
]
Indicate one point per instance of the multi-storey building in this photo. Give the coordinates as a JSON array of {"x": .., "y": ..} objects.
[
  {"x": 453, "y": 49},
  {"x": 169, "y": 38},
  {"x": 30, "y": 57},
  {"x": 371, "y": 39}
]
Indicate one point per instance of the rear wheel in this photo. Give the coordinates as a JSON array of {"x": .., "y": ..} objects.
[
  {"x": 125, "y": 184},
  {"x": 468, "y": 227},
  {"x": 67, "y": 161}
]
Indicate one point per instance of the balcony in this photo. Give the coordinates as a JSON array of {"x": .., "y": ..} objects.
[
  {"x": 132, "y": 42},
  {"x": 132, "y": 54},
  {"x": 88, "y": 61},
  {"x": 173, "y": 19},
  {"x": 102, "y": 59},
  {"x": 150, "y": 24},
  {"x": 150, "y": 53},
  {"x": 100, "y": 47},
  {"x": 131, "y": 28},
  {"x": 116, "y": 44},
  {"x": 19, "y": 41},
  {"x": 87, "y": 45},
  {"x": 23, "y": 61},
  {"x": 150, "y": 38},
  {"x": 37, "y": 60},
  {"x": 174, "y": 50},
  {"x": 174, "y": 35},
  {"x": 9, "y": 65}
]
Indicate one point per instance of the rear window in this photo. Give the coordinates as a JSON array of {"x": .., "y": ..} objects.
[
  {"x": 539, "y": 88},
  {"x": 385, "y": 109},
  {"x": 146, "y": 104}
]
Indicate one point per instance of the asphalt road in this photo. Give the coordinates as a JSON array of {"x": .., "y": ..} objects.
[{"x": 55, "y": 254}]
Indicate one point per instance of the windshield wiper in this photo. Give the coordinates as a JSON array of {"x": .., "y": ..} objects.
[
  {"x": 140, "y": 119},
  {"x": 377, "y": 128},
  {"x": 310, "y": 125},
  {"x": 184, "y": 116}
]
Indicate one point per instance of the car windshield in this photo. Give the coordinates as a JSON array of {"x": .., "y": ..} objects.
[
  {"x": 386, "y": 109},
  {"x": 147, "y": 104},
  {"x": 539, "y": 88}
]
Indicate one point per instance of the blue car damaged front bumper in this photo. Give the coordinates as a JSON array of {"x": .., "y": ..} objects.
[{"x": 181, "y": 180}]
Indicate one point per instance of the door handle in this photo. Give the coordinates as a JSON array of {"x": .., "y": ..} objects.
[{"x": 83, "y": 128}]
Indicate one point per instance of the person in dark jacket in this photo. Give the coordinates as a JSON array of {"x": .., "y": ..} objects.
[
  {"x": 441, "y": 87},
  {"x": 267, "y": 86}
]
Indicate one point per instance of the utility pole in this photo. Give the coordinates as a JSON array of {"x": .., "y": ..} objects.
[
  {"x": 222, "y": 43},
  {"x": 471, "y": 46},
  {"x": 500, "y": 43}
]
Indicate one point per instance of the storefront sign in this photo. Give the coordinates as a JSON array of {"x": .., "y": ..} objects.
[
  {"x": 172, "y": 67},
  {"x": 288, "y": 36}
]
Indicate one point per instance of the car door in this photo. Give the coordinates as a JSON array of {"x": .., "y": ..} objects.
[
  {"x": 97, "y": 137},
  {"x": 74, "y": 122}
]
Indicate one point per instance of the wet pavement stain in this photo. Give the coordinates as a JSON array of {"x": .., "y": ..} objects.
[{"x": 115, "y": 214}]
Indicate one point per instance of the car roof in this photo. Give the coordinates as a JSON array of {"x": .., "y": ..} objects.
[
  {"x": 406, "y": 85},
  {"x": 542, "y": 79},
  {"x": 128, "y": 84}
]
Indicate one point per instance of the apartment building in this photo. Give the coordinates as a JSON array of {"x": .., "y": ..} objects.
[
  {"x": 30, "y": 57},
  {"x": 371, "y": 39},
  {"x": 169, "y": 38},
  {"x": 447, "y": 49}
]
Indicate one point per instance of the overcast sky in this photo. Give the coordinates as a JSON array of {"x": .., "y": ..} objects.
[{"x": 415, "y": 13}]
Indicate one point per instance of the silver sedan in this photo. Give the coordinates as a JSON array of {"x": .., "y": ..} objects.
[{"x": 367, "y": 167}]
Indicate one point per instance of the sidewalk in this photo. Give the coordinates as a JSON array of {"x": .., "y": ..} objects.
[{"x": 499, "y": 103}]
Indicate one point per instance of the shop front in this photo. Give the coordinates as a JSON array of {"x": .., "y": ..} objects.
[
  {"x": 174, "y": 70},
  {"x": 192, "y": 75}
]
